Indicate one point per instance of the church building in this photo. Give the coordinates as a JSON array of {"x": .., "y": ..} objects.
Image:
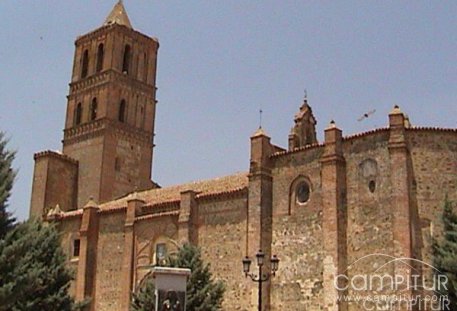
[{"x": 321, "y": 206}]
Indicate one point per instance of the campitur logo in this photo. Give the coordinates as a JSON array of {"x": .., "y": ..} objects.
[{"x": 396, "y": 283}]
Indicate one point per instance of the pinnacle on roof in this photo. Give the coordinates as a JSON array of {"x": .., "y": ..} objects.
[
  {"x": 396, "y": 110},
  {"x": 91, "y": 204},
  {"x": 118, "y": 15},
  {"x": 259, "y": 132},
  {"x": 331, "y": 125}
]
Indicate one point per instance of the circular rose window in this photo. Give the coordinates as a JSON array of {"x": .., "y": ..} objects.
[{"x": 302, "y": 192}]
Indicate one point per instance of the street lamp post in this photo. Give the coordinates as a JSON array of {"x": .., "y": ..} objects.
[{"x": 262, "y": 276}]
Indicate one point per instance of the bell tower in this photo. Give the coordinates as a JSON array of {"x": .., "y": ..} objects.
[
  {"x": 303, "y": 133},
  {"x": 109, "y": 127}
]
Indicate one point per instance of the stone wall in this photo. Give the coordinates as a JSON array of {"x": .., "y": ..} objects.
[
  {"x": 109, "y": 281},
  {"x": 434, "y": 164},
  {"x": 369, "y": 206},
  {"x": 297, "y": 233},
  {"x": 222, "y": 238},
  {"x": 69, "y": 232}
]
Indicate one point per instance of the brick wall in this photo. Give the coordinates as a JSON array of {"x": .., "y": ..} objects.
[
  {"x": 89, "y": 154},
  {"x": 148, "y": 233},
  {"x": 54, "y": 182}
]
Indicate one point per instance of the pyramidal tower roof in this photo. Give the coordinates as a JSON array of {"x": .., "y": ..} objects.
[{"x": 118, "y": 15}]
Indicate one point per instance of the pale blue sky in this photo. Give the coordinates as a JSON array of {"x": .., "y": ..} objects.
[{"x": 219, "y": 61}]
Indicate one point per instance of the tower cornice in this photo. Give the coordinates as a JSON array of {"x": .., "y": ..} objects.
[
  {"x": 102, "y": 31},
  {"x": 107, "y": 76},
  {"x": 102, "y": 127}
]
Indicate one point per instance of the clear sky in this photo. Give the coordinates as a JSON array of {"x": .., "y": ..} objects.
[{"x": 220, "y": 61}]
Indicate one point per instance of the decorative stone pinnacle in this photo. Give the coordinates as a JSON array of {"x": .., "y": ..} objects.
[
  {"x": 259, "y": 132},
  {"x": 332, "y": 125},
  {"x": 133, "y": 195},
  {"x": 396, "y": 110},
  {"x": 91, "y": 203}
]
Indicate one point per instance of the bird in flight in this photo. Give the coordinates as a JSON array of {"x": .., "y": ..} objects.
[{"x": 366, "y": 115}]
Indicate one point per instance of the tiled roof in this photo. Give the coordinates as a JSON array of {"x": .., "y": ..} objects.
[
  {"x": 426, "y": 128},
  {"x": 69, "y": 214},
  {"x": 221, "y": 185},
  {"x": 358, "y": 135},
  {"x": 286, "y": 152}
]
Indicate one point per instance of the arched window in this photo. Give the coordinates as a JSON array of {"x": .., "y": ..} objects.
[
  {"x": 93, "y": 109},
  {"x": 85, "y": 64},
  {"x": 78, "y": 114},
  {"x": 300, "y": 192},
  {"x": 100, "y": 55},
  {"x": 126, "y": 60},
  {"x": 145, "y": 68},
  {"x": 122, "y": 111},
  {"x": 117, "y": 164},
  {"x": 76, "y": 247}
]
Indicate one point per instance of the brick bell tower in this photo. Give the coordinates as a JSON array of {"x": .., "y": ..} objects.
[{"x": 109, "y": 128}]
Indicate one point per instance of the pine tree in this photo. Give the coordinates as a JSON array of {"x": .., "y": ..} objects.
[
  {"x": 7, "y": 175},
  {"x": 144, "y": 299},
  {"x": 203, "y": 292},
  {"x": 445, "y": 254},
  {"x": 33, "y": 272}
]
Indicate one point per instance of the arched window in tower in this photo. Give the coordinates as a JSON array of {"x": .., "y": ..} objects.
[
  {"x": 93, "y": 109},
  {"x": 85, "y": 64},
  {"x": 78, "y": 114},
  {"x": 122, "y": 111},
  {"x": 145, "y": 68},
  {"x": 100, "y": 56},
  {"x": 126, "y": 60}
]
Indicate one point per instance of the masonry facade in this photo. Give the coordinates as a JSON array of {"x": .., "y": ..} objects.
[{"x": 319, "y": 206}]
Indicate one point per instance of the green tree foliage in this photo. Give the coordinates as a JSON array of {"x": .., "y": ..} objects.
[
  {"x": 445, "y": 253},
  {"x": 144, "y": 299},
  {"x": 33, "y": 272},
  {"x": 203, "y": 292},
  {"x": 7, "y": 175}
]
